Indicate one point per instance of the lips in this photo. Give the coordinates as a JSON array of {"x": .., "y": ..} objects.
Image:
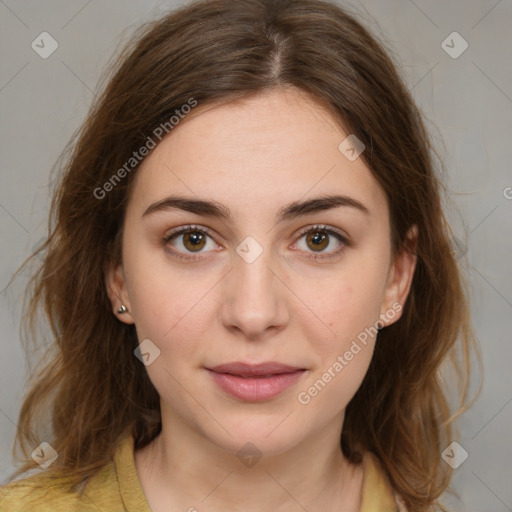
[
  {"x": 254, "y": 370},
  {"x": 255, "y": 383}
]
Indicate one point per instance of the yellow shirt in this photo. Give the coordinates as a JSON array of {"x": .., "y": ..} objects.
[{"x": 116, "y": 488}]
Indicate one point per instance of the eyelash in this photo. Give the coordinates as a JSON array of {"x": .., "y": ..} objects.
[{"x": 318, "y": 227}]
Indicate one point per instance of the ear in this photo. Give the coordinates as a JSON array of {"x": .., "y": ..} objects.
[
  {"x": 400, "y": 277},
  {"x": 115, "y": 282}
]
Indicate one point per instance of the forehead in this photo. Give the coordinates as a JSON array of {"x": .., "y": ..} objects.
[{"x": 265, "y": 151}]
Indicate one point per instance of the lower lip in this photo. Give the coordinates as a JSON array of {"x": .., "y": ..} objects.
[{"x": 255, "y": 389}]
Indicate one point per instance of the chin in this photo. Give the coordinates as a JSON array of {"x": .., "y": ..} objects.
[{"x": 263, "y": 436}]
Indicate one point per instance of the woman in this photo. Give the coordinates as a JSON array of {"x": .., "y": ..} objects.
[{"x": 249, "y": 279}]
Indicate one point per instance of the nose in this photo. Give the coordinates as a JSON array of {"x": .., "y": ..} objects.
[{"x": 255, "y": 298}]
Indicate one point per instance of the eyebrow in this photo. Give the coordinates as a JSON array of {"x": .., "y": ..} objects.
[{"x": 290, "y": 211}]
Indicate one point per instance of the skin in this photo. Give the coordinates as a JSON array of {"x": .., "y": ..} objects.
[{"x": 255, "y": 157}]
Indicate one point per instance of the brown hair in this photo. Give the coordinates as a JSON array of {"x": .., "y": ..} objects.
[{"x": 215, "y": 52}]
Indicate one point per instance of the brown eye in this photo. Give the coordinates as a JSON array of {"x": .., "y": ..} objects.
[
  {"x": 317, "y": 240},
  {"x": 194, "y": 240},
  {"x": 320, "y": 242},
  {"x": 188, "y": 240}
]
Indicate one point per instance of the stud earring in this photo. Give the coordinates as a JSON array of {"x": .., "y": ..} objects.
[{"x": 122, "y": 309}]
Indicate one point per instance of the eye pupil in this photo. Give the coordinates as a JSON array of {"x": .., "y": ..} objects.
[
  {"x": 319, "y": 239},
  {"x": 195, "y": 238}
]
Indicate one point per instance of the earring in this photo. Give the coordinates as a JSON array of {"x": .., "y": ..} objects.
[{"x": 122, "y": 309}]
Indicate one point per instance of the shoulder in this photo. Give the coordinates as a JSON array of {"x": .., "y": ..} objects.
[
  {"x": 400, "y": 504},
  {"x": 378, "y": 494},
  {"x": 39, "y": 493},
  {"x": 34, "y": 493}
]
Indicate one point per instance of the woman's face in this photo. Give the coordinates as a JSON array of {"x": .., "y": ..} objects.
[{"x": 270, "y": 271}]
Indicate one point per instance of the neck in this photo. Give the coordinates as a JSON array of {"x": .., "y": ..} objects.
[{"x": 183, "y": 468}]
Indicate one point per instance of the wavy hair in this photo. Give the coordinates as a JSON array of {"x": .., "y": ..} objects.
[{"x": 221, "y": 51}]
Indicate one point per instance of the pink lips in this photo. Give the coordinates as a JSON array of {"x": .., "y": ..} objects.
[{"x": 255, "y": 383}]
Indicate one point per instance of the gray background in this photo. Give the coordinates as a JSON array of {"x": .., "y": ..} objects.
[{"x": 468, "y": 105}]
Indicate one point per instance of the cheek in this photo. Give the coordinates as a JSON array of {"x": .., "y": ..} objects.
[
  {"x": 328, "y": 392},
  {"x": 349, "y": 306},
  {"x": 346, "y": 302},
  {"x": 172, "y": 316},
  {"x": 165, "y": 298},
  {"x": 344, "y": 351}
]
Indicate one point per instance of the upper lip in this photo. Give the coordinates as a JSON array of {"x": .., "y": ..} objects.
[{"x": 247, "y": 370}]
